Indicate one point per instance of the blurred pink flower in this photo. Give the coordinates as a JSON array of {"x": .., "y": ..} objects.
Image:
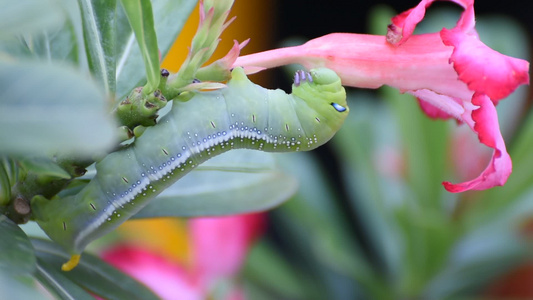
[
  {"x": 451, "y": 72},
  {"x": 219, "y": 247}
]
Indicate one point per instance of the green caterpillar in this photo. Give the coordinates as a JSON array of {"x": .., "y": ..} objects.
[{"x": 199, "y": 126}]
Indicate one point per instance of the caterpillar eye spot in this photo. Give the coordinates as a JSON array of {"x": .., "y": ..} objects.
[
  {"x": 338, "y": 107},
  {"x": 196, "y": 80},
  {"x": 164, "y": 73}
]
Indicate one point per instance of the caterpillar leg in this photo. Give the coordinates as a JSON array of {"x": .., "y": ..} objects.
[{"x": 72, "y": 263}]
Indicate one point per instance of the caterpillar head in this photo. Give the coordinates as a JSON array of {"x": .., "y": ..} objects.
[{"x": 322, "y": 90}]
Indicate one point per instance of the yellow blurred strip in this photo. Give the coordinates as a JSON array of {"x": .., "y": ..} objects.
[{"x": 166, "y": 236}]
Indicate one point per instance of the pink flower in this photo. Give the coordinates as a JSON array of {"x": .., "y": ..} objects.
[
  {"x": 219, "y": 247},
  {"x": 452, "y": 73}
]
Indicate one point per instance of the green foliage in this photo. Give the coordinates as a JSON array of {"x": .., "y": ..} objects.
[
  {"x": 235, "y": 182},
  {"x": 359, "y": 233},
  {"x": 63, "y": 68},
  {"x": 99, "y": 34},
  {"x": 17, "y": 252},
  {"x": 37, "y": 15},
  {"x": 139, "y": 14},
  {"x": 169, "y": 18},
  {"x": 91, "y": 275},
  {"x": 51, "y": 108}
]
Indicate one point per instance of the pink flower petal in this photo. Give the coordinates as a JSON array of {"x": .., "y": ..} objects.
[
  {"x": 483, "y": 69},
  {"x": 220, "y": 243},
  {"x": 487, "y": 127},
  {"x": 404, "y": 24},
  {"x": 433, "y": 111},
  {"x": 163, "y": 277},
  {"x": 438, "y": 105},
  {"x": 469, "y": 156}
]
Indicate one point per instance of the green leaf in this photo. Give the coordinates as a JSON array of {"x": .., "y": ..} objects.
[
  {"x": 316, "y": 209},
  {"x": 92, "y": 274},
  {"x": 29, "y": 16},
  {"x": 44, "y": 166},
  {"x": 59, "y": 283},
  {"x": 99, "y": 32},
  {"x": 427, "y": 237},
  {"x": 49, "y": 108},
  {"x": 425, "y": 143},
  {"x": 17, "y": 252},
  {"x": 266, "y": 267},
  {"x": 479, "y": 257},
  {"x": 19, "y": 287},
  {"x": 11, "y": 168},
  {"x": 5, "y": 186},
  {"x": 141, "y": 18},
  {"x": 372, "y": 197},
  {"x": 235, "y": 182},
  {"x": 56, "y": 43},
  {"x": 169, "y": 18}
]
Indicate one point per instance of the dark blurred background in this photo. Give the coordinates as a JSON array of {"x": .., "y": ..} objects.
[{"x": 315, "y": 18}]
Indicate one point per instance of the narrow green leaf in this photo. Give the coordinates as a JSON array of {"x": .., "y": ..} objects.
[
  {"x": 17, "y": 255},
  {"x": 266, "y": 267},
  {"x": 425, "y": 143},
  {"x": 315, "y": 208},
  {"x": 49, "y": 108},
  {"x": 92, "y": 274},
  {"x": 427, "y": 238},
  {"x": 99, "y": 32},
  {"x": 141, "y": 19},
  {"x": 55, "y": 43},
  {"x": 5, "y": 186},
  {"x": 28, "y": 16},
  {"x": 44, "y": 166},
  {"x": 169, "y": 18},
  {"x": 372, "y": 197},
  {"x": 11, "y": 168},
  {"x": 61, "y": 45},
  {"x": 19, "y": 287},
  {"x": 59, "y": 283},
  {"x": 235, "y": 182},
  {"x": 479, "y": 257}
]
